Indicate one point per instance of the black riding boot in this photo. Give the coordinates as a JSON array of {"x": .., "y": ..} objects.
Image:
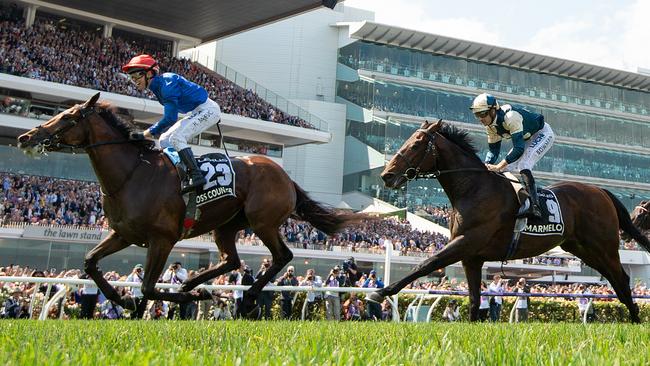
[
  {"x": 529, "y": 184},
  {"x": 194, "y": 177}
]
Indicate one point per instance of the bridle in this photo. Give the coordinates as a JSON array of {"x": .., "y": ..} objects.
[
  {"x": 413, "y": 171},
  {"x": 53, "y": 139},
  {"x": 643, "y": 209}
]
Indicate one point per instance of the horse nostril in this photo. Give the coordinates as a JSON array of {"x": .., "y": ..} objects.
[
  {"x": 387, "y": 176},
  {"x": 23, "y": 138}
]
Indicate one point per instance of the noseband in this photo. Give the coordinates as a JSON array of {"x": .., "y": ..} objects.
[
  {"x": 413, "y": 170},
  {"x": 52, "y": 139}
]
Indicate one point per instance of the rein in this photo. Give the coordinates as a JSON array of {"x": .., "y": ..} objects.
[
  {"x": 413, "y": 173},
  {"x": 52, "y": 140}
]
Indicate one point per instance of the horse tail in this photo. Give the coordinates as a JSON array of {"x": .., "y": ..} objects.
[
  {"x": 625, "y": 223},
  {"x": 325, "y": 219}
]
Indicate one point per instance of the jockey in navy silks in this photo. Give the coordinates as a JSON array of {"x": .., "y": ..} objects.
[{"x": 531, "y": 139}]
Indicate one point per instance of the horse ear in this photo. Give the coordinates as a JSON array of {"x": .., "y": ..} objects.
[
  {"x": 91, "y": 102},
  {"x": 436, "y": 126},
  {"x": 424, "y": 124}
]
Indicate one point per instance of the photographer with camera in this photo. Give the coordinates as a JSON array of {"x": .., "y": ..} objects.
[
  {"x": 452, "y": 311},
  {"x": 521, "y": 303},
  {"x": 351, "y": 272},
  {"x": 373, "y": 308},
  {"x": 175, "y": 275},
  {"x": 287, "y": 279},
  {"x": 312, "y": 299},
  {"x": 265, "y": 298},
  {"x": 333, "y": 299},
  {"x": 496, "y": 287},
  {"x": 136, "y": 276}
]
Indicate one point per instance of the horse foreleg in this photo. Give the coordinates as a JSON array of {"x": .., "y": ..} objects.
[
  {"x": 473, "y": 274},
  {"x": 157, "y": 255},
  {"x": 113, "y": 243},
  {"x": 450, "y": 254}
]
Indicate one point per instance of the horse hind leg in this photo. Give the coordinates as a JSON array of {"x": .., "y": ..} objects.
[
  {"x": 281, "y": 255},
  {"x": 609, "y": 265},
  {"x": 225, "y": 238}
]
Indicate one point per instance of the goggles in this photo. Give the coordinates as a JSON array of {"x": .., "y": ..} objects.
[{"x": 481, "y": 114}]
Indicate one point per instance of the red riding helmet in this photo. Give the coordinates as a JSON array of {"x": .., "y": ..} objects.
[{"x": 141, "y": 63}]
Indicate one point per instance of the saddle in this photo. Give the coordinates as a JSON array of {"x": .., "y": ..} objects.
[
  {"x": 550, "y": 223},
  {"x": 220, "y": 183}
]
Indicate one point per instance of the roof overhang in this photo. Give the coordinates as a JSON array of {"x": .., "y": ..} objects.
[
  {"x": 199, "y": 20},
  {"x": 442, "y": 45}
]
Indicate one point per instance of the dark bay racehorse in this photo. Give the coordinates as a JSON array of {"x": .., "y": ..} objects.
[
  {"x": 484, "y": 208},
  {"x": 143, "y": 204}
]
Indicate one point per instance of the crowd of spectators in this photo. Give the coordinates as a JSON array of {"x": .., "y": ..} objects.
[
  {"x": 50, "y": 201},
  {"x": 83, "y": 57},
  {"x": 24, "y": 300}
]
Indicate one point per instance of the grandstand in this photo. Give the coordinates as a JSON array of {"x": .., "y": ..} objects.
[{"x": 308, "y": 92}]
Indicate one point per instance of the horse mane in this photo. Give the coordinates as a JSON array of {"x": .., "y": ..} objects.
[
  {"x": 460, "y": 138},
  {"x": 121, "y": 125}
]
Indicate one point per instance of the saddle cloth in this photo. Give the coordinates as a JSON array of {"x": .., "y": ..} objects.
[
  {"x": 217, "y": 170},
  {"x": 552, "y": 222}
]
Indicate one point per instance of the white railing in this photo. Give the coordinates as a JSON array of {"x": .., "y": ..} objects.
[{"x": 423, "y": 294}]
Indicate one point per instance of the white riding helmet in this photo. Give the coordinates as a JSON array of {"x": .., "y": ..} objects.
[{"x": 483, "y": 102}]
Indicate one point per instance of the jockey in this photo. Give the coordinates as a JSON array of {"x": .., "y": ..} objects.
[
  {"x": 531, "y": 139},
  {"x": 176, "y": 94}
]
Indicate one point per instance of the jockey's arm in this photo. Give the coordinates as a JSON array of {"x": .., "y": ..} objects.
[
  {"x": 494, "y": 149},
  {"x": 170, "y": 117}
]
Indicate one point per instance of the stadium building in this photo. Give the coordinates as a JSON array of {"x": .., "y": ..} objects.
[{"x": 364, "y": 88}]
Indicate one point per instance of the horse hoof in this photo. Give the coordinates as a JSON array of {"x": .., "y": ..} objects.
[{"x": 375, "y": 297}]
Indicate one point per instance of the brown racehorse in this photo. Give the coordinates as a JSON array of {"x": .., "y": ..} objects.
[
  {"x": 143, "y": 204},
  {"x": 484, "y": 209}
]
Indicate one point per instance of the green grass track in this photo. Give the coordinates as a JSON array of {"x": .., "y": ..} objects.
[{"x": 76, "y": 342}]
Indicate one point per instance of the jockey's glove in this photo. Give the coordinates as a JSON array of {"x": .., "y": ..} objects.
[{"x": 136, "y": 136}]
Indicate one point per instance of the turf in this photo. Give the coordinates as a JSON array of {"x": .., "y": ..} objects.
[{"x": 76, "y": 342}]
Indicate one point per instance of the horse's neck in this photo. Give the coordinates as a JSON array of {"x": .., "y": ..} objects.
[
  {"x": 112, "y": 163},
  {"x": 461, "y": 185}
]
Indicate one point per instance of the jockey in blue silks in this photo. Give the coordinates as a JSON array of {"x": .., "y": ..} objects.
[{"x": 177, "y": 95}]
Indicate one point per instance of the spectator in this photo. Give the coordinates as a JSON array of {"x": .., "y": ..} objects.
[
  {"x": 137, "y": 275},
  {"x": 158, "y": 310},
  {"x": 312, "y": 298},
  {"x": 452, "y": 311},
  {"x": 288, "y": 279},
  {"x": 484, "y": 305},
  {"x": 374, "y": 309},
  {"x": 584, "y": 304},
  {"x": 496, "y": 287},
  {"x": 89, "y": 295},
  {"x": 521, "y": 304},
  {"x": 12, "y": 306},
  {"x": 110, "y": 310},
  {"x": 265, "y": 298},
  {"x": 333, "y": 299},
  {"x": 176, "y": 275},
  {"x": 353, "y": 308}
]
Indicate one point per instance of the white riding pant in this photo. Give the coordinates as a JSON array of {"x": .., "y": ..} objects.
[
  {"x": 536, "y": 146},
  {"x": 202, "y": 117}
]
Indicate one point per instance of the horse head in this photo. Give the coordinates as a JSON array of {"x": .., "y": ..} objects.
[
  {"x": 61, "y": 131},
  {"x": 415, "y": 157}
]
